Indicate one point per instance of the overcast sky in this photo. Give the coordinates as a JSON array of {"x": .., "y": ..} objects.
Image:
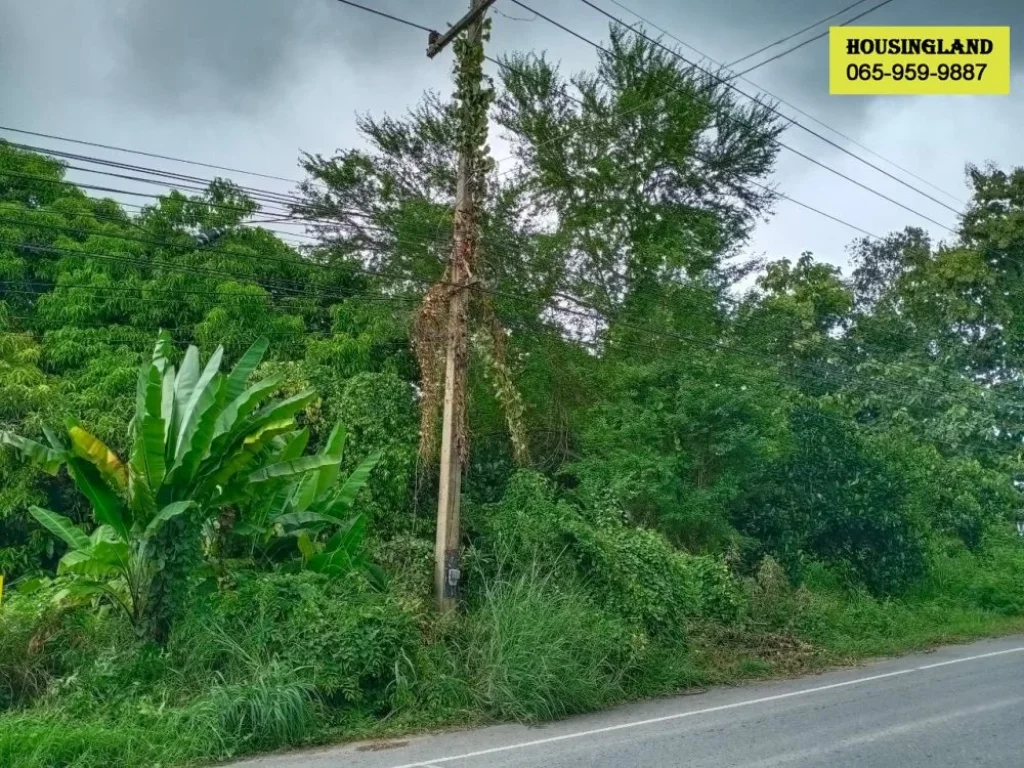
[{"x": 248, "y": 83}]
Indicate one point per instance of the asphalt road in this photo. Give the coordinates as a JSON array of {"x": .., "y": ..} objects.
[{"x": 959, "y": 706}]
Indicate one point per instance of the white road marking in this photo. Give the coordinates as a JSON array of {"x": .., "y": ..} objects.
[{"x": 693, "y": 713}]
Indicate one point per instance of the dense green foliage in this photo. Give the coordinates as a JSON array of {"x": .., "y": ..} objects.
[{"x": 732, "y": 468}]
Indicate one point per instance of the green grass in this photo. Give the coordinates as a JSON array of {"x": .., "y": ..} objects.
[{"x": 528, "y": 648}]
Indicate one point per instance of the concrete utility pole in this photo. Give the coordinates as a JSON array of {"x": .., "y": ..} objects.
[{"x": 446, "y": 546}]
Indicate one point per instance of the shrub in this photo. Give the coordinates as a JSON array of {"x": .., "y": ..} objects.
[
  {"x": 773, "y": 603},
  {"x": 837, "y": 499},
  {"x": 41, "y": 642},
  {"x": 335, "y": 634},
  {"x": 636, "y": 573}
]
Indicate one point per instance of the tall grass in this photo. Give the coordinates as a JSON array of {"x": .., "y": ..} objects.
[{"x": 533, "y": 649}]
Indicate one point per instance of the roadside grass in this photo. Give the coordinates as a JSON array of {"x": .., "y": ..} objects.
[{"x": 528, "y": 648}]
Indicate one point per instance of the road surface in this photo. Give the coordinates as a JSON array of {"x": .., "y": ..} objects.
[{"x": 959, "y": 706}]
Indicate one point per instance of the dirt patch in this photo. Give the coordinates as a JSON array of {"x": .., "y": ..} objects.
[{"x": 377, "y": 746}]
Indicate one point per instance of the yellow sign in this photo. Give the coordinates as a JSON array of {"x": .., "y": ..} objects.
[{"x": 914, "y": 61}]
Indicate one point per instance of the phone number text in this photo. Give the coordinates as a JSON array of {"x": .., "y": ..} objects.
[{"x": 898, "y": 72}]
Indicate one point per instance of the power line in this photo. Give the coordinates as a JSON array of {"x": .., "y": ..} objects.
[
  {"x": 791, "y": 105},
  {"x": 374, "y": 11},
  {"x": 677, "y": 300},
  {"x": 299, "y": 262},
  {"x": 810, "y": 40},
  {"x": 401, "y": 241},
  {"x": 195, "y": 184},
  {"x": 868, "y": 234},
  {"x": 101, "y": 233},
  {"x": 799, "y": 32},
  {"x": 203, "y": 271},
  {"x": 725, "y": 81},
  {"x": 141, "y": 153},
  {"x": 837, "y": 373},
  {"x": 241, "y": 210}
]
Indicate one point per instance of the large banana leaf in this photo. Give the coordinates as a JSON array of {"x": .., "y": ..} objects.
[
  {"x": 148, "y": 390},
  {"x": 230, "y": 420},
  {"x": 285, "y": 408},
  {"x": 335, "y": 446},
  {"x": 294, "y": 446},
  {"x": 60, "y": 527},
  {"x": 168, "y": 410},
  {"x": 169, "y": 512},
  {"x": 243, "y": 369},
  {"x": 54, "y": 440},
  {"x": 308, "y": 518},
  {"x": 248, "y": 451},
  {"x": 203, "y": 397},
  {"x": 342, "y": 503},
  {"x": 341, "y": 552},
  {"x": 48, "y": 459},
  {"x": 291, "y": 468},
  {"x": 184, "y": 383},
  {"x": 115, "y": 555},
  {"x": 102, "y": 560},
  {"x": 162, "y": 349},
  {"x": 92, "y": 449},
  {"x": 147, "y": 457},
  {"x": 106, "y": 504},
  {"x": 148, "y": 451},
  {"x": 81, "y": 563},
  {"x": 271, "y": 414},
  {"x": 199, "y": 440},
  {"x": 304, "y": 491}
]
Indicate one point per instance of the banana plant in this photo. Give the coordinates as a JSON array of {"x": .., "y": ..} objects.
[
  {"x": 107, "y": 564},
  {"x": 201, "y": 440},
  {"x": 302, "y": 500}
]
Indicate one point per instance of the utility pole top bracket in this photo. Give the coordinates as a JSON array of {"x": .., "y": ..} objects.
[{"x": 437, "y": 42}]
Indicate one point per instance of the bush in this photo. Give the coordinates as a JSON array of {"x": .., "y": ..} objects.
[
  {"x": 334, "y": 635},
  {"x": 635, "y": 573},
  {"x": 837, "y": 498},
  {"x": 379, "y": 412},
  {"x": 42, "y": 641},
  {"x": 773, "y": 604}
]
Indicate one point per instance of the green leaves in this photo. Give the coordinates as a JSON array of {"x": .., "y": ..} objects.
[
  {"x": 355, "y": 482},
  {"x": 49, "y": 460},
  {"x": 93, "y": 450},
  {"x": 106, "y": 504},
  {"x": 302, "y": 500},
  {"x": 198, "y": 440},
  {"x": 243, "y": 369},
  {"x": 60, "y": 527},
  {"x": 169, "y": 512},
  {"x": 292, "y": 468}
]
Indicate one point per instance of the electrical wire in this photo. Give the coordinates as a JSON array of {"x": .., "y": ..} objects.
[
  {"x": 597, "y": 316},
  {"x": 791, "y": 105},
  {"x": 726, "y": 82},
  {"x": 155, "y": 156},
  {"x": 674, "y": 303},
  {"x": 798, "y": 46},
  {"x": 799, "y": 32},
  {"x": 376, "y": 12},
  {"x": 171, "y": 267}
]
